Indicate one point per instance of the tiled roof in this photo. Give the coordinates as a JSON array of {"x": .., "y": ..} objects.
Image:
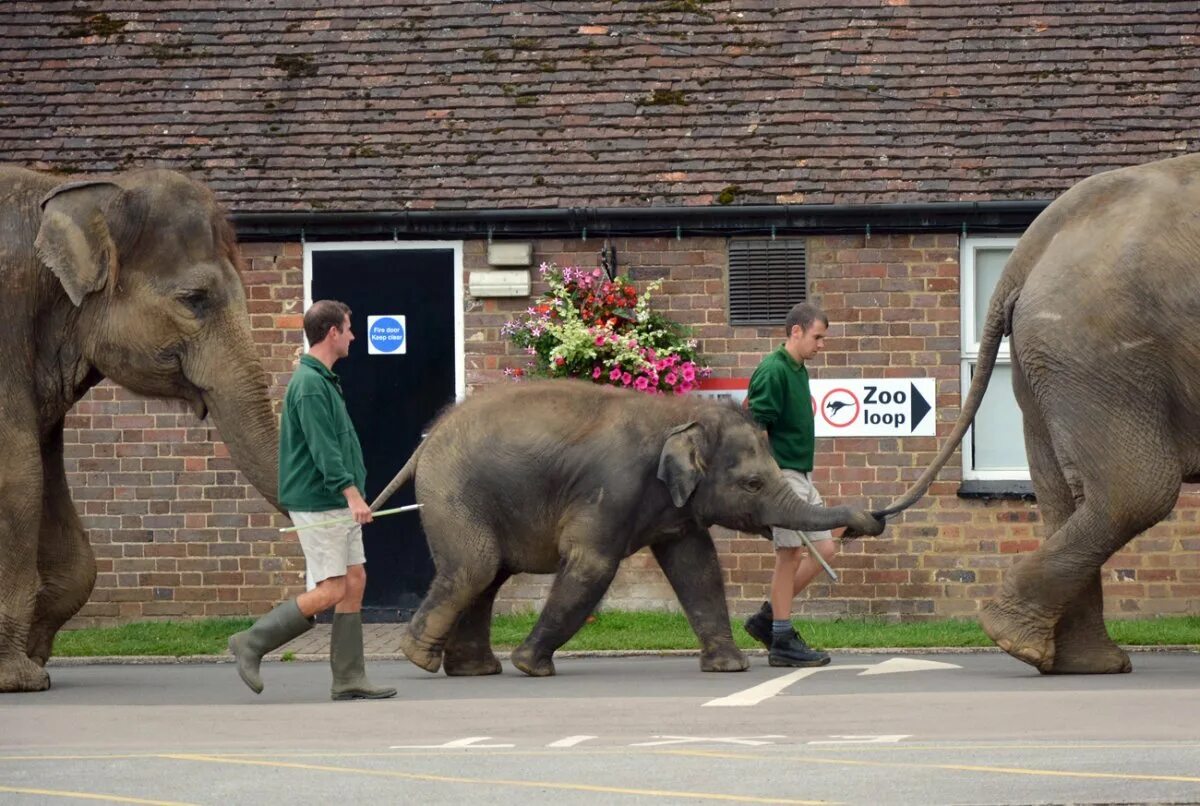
[{"x": 366, "y": 105}]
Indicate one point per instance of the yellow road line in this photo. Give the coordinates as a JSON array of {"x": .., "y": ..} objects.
[
  {"x": 58, "y": 793},
  {"x": 449, "y": 779},
  {"x": 953, "y": 767}
]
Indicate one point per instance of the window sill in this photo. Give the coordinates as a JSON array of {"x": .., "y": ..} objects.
[{"x": 1013, "y": 490}]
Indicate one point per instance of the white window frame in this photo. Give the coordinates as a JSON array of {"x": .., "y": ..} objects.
[{"x": 968, "y": 247}]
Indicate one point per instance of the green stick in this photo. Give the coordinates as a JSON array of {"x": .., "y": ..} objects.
[{"x": 336, "y": 521}]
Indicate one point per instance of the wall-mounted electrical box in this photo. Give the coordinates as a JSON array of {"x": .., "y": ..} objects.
[
  {"x": 499, "y": 283},
  {"x": 508, "y": 253}
]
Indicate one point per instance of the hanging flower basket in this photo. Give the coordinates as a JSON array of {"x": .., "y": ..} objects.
[{"x": 587, "y": 326}]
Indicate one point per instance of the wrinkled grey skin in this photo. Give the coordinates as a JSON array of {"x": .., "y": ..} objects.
[
  {"x": 133, "y": 278},
  {"x": 568, "y": 477},
  {"x": 1102, "y": 299}
]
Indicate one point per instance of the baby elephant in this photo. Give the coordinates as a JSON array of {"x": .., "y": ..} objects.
[{"x": 568, "y": 477}]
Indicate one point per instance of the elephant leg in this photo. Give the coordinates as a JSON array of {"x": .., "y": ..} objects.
[
  {"x": 1081, "y": 642},
  {"x": 20, "y": 510},
  {"x": 584, "y": 574},
  {"x": 66, "y": 563},
  {"x": 467, "y": 561},
  {"x": 469, "y": 648},
  {"x": 1055, "y": 591},
  {"x": 691, "y": 566}
]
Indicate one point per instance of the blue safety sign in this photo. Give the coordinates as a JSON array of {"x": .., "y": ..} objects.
[{"x": 386, "y": 335}]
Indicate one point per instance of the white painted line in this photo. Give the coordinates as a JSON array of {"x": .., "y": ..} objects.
[
  {"x": 888, "y": 738},
  {"x": 763, "y": 691},
  {"x": 571, "y": 741},
  {"x": 752, "y": 741},
  {"x": 470, "y": 741}
]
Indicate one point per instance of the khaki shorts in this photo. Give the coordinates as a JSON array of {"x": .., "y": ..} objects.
[
  {"x": 329, "y": 550},
  {"x": 802, "y": 485}
]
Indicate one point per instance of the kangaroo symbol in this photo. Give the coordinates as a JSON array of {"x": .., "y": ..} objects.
[{"x": 836, "y": 406}]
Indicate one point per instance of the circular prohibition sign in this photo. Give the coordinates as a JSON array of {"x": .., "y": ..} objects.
[{"x": 839, "y": 411}]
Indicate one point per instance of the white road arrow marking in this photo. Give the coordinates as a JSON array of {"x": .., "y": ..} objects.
[
  {"x": 570, "y": 741},
  {"x": 753, "y": 741},
  {"x": 470, "y": 741},
  {"x": 893, "y": 665},
  {"x": 887, "y": 738},
  {"x": 764, "y": 691}
]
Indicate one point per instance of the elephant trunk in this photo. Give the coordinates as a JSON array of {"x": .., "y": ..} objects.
[
  {"x": 233, "y": 386},
  {"x": 248, "y": 427},
  {"x": 787, "y": 510}
]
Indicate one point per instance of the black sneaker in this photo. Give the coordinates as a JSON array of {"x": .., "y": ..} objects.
[
  {"x": 792, "y": 651},
  {"x": 758, "y": 626}
]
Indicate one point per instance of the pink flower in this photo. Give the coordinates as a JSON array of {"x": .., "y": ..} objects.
[
  {"x": 671, "y": 378},
  {"x": 626, "y": 379},
  {"x": 615, "y": 374},
  {"x": 689, "y": 372},
  {"x": 596, "y": 372},
  {"x": 685, "y": 387},
  {"x": 641, "y": 383},
  {"x": 600, "y": 340}
]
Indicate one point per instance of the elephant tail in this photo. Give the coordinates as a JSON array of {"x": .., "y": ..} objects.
[
  {"x": 403, "y": 477},
  {"x": 997, "y": 325}
]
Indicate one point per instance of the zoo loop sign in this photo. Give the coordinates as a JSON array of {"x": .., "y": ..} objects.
[{"x": 889, "y": 407}]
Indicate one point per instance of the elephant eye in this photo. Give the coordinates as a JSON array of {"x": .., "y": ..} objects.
[
  {"x": 754, "y": 484},
  {"x": 195, "y": 300}
]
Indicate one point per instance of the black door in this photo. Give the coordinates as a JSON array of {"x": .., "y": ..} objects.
[{"x": 393, "y": 397}]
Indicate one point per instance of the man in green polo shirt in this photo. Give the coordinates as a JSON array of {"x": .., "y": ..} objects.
[
  {"x": 321, "y": 478},
  {"x": 780, "y": 400}
]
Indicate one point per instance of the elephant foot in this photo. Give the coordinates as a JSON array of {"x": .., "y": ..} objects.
[
  {"x": 728, "y": 660},
  {"x": 474, "y": 665},
  {"x": 1018, "y": 635},
  {"x": 1075, "y": 654},
  {"x": 531, "y": 662},
  {"x": 21, "y": 674},
  {"x": 428, "y": 658}
]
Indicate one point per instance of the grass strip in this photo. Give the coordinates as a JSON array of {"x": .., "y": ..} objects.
[{"x": 614, "y": 630}]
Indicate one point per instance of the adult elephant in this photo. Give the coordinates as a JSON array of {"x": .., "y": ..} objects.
[
  {"x": 134, "y": 278},
  {"x": 1101, "y": 297},
  {"x": 568, "y": 477}
]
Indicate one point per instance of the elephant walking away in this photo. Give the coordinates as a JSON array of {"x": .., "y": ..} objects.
[
  {"x": 568, "y": 477},
  {"x": 132, "y": 277},
  {"x": 1101, "y": 298}
]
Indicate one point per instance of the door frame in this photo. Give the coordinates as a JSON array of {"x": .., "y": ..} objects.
[{"x": 460, "y": 357}]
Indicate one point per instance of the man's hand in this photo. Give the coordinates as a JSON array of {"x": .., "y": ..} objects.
[{"x": 359, "y": 509}]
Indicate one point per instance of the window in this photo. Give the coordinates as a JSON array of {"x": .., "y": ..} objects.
[
  {"x": 766, "y": 278},
  {"x": 994, "y": 448}
]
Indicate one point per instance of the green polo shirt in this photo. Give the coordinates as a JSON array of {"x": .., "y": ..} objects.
[
  {"x": 319, "y": 452},
  {"x": 781, "y": 402}
]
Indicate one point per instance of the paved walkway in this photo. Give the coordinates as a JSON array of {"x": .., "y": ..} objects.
[{"x": 379, "y": 641}]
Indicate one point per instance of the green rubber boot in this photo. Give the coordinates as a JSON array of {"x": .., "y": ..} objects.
[
  {"x": 270, "y": 632},
  {"x": 346, "y": 660}
]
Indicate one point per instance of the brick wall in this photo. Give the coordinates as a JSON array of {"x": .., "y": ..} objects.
[{"x": 178, "y": 532}]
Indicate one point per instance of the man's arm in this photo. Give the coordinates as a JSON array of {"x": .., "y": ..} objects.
[{"x": 766, "y": 396}]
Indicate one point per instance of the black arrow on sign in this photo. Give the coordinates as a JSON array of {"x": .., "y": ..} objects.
[{"x": 920, "y": 407}]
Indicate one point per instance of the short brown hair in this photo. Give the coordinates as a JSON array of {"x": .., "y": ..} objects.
[
  {"x": 804, "y": 314},
  {"x": 322, "y": 315}
]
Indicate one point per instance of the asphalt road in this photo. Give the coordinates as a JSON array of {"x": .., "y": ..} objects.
[{"x": 871, "y": 729}]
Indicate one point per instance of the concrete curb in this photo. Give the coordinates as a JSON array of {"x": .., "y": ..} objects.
[{"x": 148, "y": 660}]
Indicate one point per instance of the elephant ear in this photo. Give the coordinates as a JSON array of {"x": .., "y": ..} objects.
[
  {"x": 681, "y": 463},
  {"x": 74, "y": 239}
]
